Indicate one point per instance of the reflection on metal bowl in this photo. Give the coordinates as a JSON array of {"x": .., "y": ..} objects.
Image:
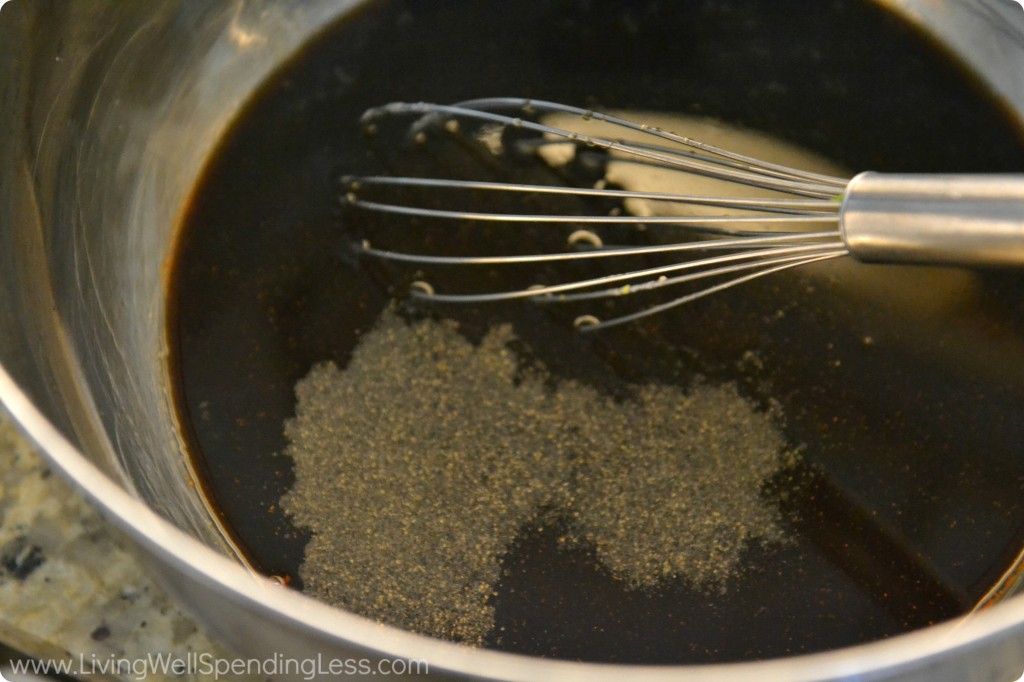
[{"x": 111, "y": 113}]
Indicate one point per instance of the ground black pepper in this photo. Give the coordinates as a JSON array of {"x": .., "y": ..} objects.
[{"x": 418, "y": 464}]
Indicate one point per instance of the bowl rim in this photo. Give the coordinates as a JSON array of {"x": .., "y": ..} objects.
[{"x": 974, "y": 637}]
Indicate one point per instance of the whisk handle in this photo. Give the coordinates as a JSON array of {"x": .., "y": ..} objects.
[{"x": 935, "y": 219}]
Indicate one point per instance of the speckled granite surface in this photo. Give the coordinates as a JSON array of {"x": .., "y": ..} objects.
[{"x": 70, "y": 587}]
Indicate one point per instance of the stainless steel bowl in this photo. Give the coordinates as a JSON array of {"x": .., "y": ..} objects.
[{"x": 108, "y": 112}]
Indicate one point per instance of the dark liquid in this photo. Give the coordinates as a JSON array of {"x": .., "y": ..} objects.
[{"x": 908, "y": 506}]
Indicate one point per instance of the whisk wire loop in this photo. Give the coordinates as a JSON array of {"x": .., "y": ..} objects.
[
  {"x": 715, "y": 163},
  {"x": 788, "y": 254},
  {"x": 757, "y": 165}
]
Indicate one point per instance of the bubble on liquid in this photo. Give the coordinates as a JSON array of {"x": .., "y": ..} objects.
[
  {"x": 584, "y": 237},
  {"x": 421, "y": 288}
]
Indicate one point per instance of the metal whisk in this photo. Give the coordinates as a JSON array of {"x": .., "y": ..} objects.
[{"x": 802, "y": 217}]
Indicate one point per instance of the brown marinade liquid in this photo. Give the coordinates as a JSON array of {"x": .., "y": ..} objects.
[{"x": 906, "y": 505}]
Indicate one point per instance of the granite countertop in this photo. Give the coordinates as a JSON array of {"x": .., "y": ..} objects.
[{"x": 70, "y": 586}]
